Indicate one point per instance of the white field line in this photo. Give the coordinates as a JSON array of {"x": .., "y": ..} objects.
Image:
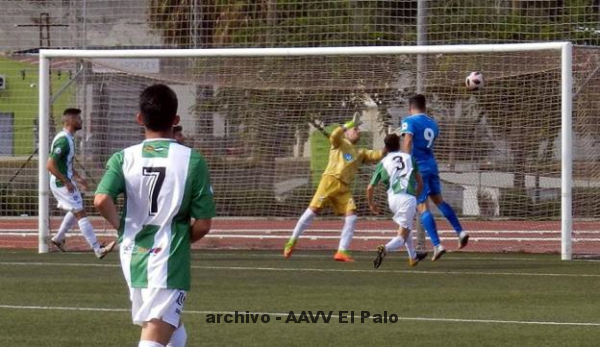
[
  {"x": 283, "y": 269},
  {"x": 296, "y": 313},
  {"x": 17, "y": 231},
  {"x": 327, "y": 237}
]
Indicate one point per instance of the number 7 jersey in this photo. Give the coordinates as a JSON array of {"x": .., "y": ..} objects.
[
  {"x": 164, "y": 185},
  {"x": 425, "y": 131}
]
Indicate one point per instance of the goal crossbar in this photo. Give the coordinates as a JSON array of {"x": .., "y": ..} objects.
[{"x": 566, "y": 101}]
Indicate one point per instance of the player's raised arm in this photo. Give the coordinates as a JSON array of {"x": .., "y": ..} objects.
[
  {"x": 373, "y": 156},
  {"x": 336, "y": 137}
]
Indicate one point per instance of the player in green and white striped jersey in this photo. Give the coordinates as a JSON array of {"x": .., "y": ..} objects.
[
  {"x": 165, "y": 184},
  {"x": 399, "y": 172},
  {"x": 63, "y": 184}
]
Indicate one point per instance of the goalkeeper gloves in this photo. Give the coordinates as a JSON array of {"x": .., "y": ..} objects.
[{"x": 354, "y": 123}]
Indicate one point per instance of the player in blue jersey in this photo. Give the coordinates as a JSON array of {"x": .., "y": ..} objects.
[{"x": 420, "y": 132}]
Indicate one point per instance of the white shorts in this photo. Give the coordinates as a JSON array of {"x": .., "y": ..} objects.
[
  {"x": 404, "y": 208},
  {"x": 156, "y": 303},
  {"x": 67, "y": 201}
]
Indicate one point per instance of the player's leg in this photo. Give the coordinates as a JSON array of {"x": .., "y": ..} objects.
[
  {"x": 67, "y": 224},
  {"x": 90, "y": 236},
  {"x": 404, "y": 208},
  {"x": 427, "y": 219},
  {"x": 62, "y": 196},
  {"x": 159, "y": 313},
  {"x": 344, "y": 204},
  {"x": 179, "y": 337},
  {"x": 318, "y": 202},
  {"x": 303, "y": 223},
  {"x": 448, "y": 212}
]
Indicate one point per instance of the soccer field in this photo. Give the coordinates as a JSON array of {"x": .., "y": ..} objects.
[{"x": 71, "y": 299}]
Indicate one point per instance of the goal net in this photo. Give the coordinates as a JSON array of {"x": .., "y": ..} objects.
[{"x": 502, "y": 152}]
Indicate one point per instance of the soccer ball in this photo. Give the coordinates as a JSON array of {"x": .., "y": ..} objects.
[{"x": 474, "y": 81}]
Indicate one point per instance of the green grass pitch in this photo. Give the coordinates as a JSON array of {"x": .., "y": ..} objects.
[{"x": 72, "y": 299}]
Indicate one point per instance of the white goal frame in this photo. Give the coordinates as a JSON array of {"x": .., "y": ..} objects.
[{"x": 566, "y": 102}]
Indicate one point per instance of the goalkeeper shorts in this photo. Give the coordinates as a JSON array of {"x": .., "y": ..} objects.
[{"x": 332, "y": 192}]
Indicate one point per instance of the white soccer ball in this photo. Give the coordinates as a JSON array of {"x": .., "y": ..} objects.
[{"x": 474, "y": 81}]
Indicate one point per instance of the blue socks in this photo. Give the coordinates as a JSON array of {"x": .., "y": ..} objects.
[
  {"x": 448, "y": 212},
  {"x": 429, "y": 224}
]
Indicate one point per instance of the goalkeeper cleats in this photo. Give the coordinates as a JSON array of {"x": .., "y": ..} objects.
[
  {"x": 438, "y": 251},
  {"x": 463, "y": 239},
  {"x": 105, "y": 249},
  {"x": 379, "y": 258},
  {"x": 59, "y": 244},
  {"x": 420, "y": 256},
  {"x": 343, "y": 256},
  {"x": 289, "y": 248}
]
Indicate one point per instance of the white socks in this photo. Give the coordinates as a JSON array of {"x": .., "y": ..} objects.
[
  {"x": 347, "y": 232},
  {"x": 410, "y": 248},
  {"x": 303, "y": 223},
  {"x": 394, "y": 243},
  {"x": 179, "y": 337},
  {"x": 398, "y": 241},
  {"x": 88, "y": 232},
  {"x": 66, "y": 225},
  {"x": 146, "y": 343}
]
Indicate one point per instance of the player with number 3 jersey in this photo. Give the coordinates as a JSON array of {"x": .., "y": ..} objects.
[
  {"x": 420, "y": 132},
  {"x": 400, "y": 174}
]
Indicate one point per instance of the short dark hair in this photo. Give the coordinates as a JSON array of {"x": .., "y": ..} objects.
[
  {"x": 72, "y": 111},
  {"x": 392, "y": 143},
  {"x": 177, "y": 129},
  {"x": 418, "y": 102},
  {"x": 158, "y": 106}
]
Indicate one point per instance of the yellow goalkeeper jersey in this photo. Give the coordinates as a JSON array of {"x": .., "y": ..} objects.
[{"x": 344, "y": 158}]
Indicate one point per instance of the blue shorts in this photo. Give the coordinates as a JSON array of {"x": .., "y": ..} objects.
[{"x": 431, "y": 186}]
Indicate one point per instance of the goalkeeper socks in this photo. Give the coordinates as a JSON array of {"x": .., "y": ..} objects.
[
  {"x": 146, "y": 343},
  {"x": 448, "y": 212},
  {"x": 394, "y": 243},
  {"x": 178, "y": 338},
  {"x": 410, "y": 248},
  {"x": 66, "y": 225},
  {"x": 429, "y": 225},
  {"x": 303, "y": 223},
  {"x": 88, "y": 232},
  {"x": 347, "y": 232}
]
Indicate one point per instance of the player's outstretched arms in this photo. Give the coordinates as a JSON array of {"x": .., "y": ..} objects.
[
  {"x": 106, "y": 206},
  {"x": 199, "y": 229}
]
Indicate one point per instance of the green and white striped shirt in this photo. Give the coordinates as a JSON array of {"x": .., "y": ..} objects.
[
  {"x": 397, "y": 171},
  {"x": 164, "y": 185},
  {"x": 63, "y": 153}
]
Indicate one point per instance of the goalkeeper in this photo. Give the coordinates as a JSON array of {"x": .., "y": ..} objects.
[{"x": 334, "y": 188}]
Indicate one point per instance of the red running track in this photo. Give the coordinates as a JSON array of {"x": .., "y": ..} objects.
[{"x": 486, "y": 236}]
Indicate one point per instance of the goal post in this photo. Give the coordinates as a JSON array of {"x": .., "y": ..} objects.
[{"x": 566, "y": 81}]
